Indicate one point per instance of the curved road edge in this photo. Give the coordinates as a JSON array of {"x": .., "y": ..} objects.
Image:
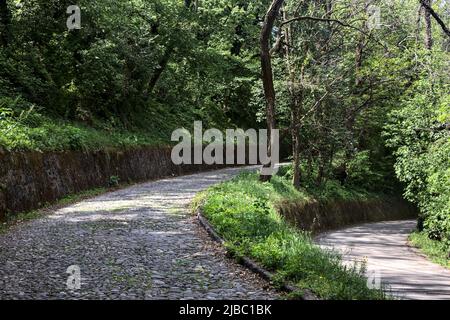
[{"x": 390, "y": 260}]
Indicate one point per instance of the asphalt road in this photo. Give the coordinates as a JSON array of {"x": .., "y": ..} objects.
[{"x": 408, "y": 274}]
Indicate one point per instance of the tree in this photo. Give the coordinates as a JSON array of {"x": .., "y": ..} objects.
[
  {"x": 430, "y": 12},
  {"x": 426, "y": 4},
  {"x": 267, "y": 73},
  {"x": 295, "y": 89}
]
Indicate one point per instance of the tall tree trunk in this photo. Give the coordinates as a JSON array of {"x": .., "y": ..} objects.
[
  {"x": 296, "y": 146},
  {"x": 191, "y": 4},
  {"x": 164, "y": 61},
  {"x": 426, "y": 4},
  {"x": 296, "y": 99},
  {"x": 428, "y": 26},
  {"x": 359, "y": 53},
  {"x": 358, "y": 61},
  {"x": 162, "y": 64},
  {"x": 267, "y": 74},
  {"x": 352, "y": 112},
  {"x": 328, "y": 7},
  {"x": 5, "y": 20},
  {"x": 321, "y": 171}
]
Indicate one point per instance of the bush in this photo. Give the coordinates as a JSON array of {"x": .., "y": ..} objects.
[
  {"x": 422, "y": 147},
  {"x": 360, "y": 172},
  {"x": 435, "y": 202}
]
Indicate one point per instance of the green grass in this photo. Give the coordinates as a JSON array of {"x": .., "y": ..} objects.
[
  {"x": 24, "y": 127},
  {"x": 328, "y": 190},
  {"x": 435, "y": 250},
  {"x": 243, "y": 212},
  {"x": 14, "y": 219},
  {"x": 57, "y": 135}
]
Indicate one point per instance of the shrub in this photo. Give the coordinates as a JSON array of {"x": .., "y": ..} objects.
[{"x": 360, "y": 172}]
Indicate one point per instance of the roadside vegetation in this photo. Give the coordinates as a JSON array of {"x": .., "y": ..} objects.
[
  {"x": 35, "y": 132},
  {"x": 243, "y": 213},
  {"x": 435, "y": 250}
]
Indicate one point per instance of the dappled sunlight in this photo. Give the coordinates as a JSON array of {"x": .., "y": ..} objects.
[
  {"x": 139, "y": 237},
  {"x": 383, "y": 247},
  {"x": 144, "y": 201}
]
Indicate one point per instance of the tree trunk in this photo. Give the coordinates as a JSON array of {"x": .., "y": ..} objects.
[
  {"x": 352, "y": 112},
  {"x": 359, "y": 53},
  {"x": 358, "y": 61},
  {"x": 267, "y": 74},
  {"x": 428, "y": 30},
  {"x": 296, "y": 97},
  {"x": 296, "y": 148},
  {"x": 426, "y": 4},
  {"x": 310, "y": 165},
  {"x": 321, "y": 171},
  {"x": 191, "y": 4},
  {"x": 5, "y": 20},
  {"x": 162, "y": 64},
  {"x": 328, "y": 7}
]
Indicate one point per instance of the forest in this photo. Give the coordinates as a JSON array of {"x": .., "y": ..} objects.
[{"x": 360, "y": 89}]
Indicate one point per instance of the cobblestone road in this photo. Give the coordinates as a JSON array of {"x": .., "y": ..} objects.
[{"x": 137, "y": 243}]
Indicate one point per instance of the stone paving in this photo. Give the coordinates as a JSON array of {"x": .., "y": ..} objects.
[{"x": 137, "y": 243}]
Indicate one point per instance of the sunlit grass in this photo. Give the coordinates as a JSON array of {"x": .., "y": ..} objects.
[
  {"x": 435, "y": 250},
  {"x": 242, "y": 211}
]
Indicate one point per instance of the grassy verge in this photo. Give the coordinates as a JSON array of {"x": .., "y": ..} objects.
[
  {"x": 45, "y": 134},
  {"x": 243, "y": 212},
  {"x": 24, "y": 127},
  {"x": 15, "y": 219},
  {"x": 435, "y": 250}
]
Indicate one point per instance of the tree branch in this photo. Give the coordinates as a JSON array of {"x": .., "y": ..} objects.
[
  {"x": 278, "y": 44},
  {"x": 436, "y": 17},
  {"x": 343, "y": 24}
]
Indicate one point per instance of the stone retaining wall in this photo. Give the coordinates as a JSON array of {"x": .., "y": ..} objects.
[
  {"x": 29, "y": 180},
  {"x": 318, "y": 217}
]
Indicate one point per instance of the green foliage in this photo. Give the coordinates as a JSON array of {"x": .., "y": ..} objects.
[
  {"x": 418, "y": 133},
  {"x": 242, "y": 211},
  {"x": 361, "y": 172},
  {"x": 437, "y": 251},
  {"x": 350, "y": 87},
  {"x": 33, "y": 131},
  {"x": 138, "y": 67},
  {"x": 330, "y": 189},
  {"x": 114, "y": 181}
]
